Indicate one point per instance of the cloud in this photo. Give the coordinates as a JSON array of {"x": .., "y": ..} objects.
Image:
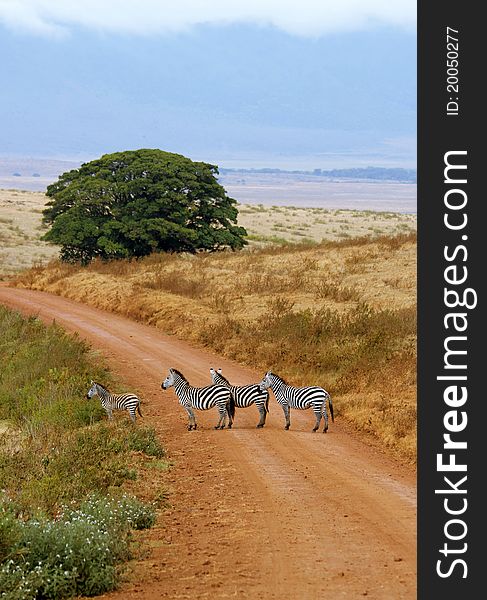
[{"x": 149, "y": 17}]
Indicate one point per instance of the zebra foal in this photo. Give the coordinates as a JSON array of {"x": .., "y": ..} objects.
[
  {"x": 202, "y": 398},
  {"x": 300, "y": 398},
  {"x": 110, "y": 401},
  {"x": 245, "y": 395}
]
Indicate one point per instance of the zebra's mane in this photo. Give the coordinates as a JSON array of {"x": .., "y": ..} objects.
[
  {"x": 103, "y": 387},
  {"x": 280, "y": 378},
  {"x": 180, "y": 374},
  {"x": 224, "y": 378}
]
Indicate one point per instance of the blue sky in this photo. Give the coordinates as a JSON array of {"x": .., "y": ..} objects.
[{"x": 294, "y": 85}]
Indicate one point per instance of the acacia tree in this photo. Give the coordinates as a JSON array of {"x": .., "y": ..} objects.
[{"x": 129, "y": 204}]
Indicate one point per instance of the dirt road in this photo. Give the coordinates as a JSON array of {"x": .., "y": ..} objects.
[{"x": 269, "y": 514}]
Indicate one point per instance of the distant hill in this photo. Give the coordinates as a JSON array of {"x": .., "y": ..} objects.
[
  {"x": 36, "y": 174},
  {"x": 22, "y": 166},
  {"x": 356, "y": 174},
  {"x": 31, "y": 173}
]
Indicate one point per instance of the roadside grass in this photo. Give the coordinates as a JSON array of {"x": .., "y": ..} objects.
[
  {"x": 57, "y": 451},
  {"x": 365, "y": 358},
  {"x": 79, "y": 553},
  {"x": 340, "y": 313}
]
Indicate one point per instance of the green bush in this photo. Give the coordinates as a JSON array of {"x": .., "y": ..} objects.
[
  {"x": 112, "y": 513},
  {"x": 78, "y": 554},
  {"x": 144, "y": 439},
  {"x": 9, "y": 532}
]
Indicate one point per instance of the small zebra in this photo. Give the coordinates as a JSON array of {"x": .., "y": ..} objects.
[
  {"x": 110, "y": 401},
  {"x": 202, "y": 398},
  {"x": 245, "y": 395},
  {"x": 301, "y": 398}
]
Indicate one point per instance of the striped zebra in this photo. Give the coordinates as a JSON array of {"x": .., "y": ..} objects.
[
  {"x": 245, "y": 395},
  {"x": 202, "y": 398},
  {"x": 301, "y": 398},
  {"x": 110, "y": 401}
]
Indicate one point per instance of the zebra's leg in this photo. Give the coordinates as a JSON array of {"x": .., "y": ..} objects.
[
  {"x": 318, "y": 418},
  {"x": 222, "y": 411},
  {"x": 261, "y": 422},
  {"x": 191, "y": 419},
  {"x": 132, "y": 415},
  {"x": 325, "y": 417},
  {"x": 109, "y": 413},
  {"x": 285, "y": 408},
  {"x": 229, "y": 414}
]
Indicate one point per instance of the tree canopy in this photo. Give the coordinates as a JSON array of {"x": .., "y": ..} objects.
[{"x": 133, "y": 203}]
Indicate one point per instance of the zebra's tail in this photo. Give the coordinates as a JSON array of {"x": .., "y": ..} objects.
[
  {"x": 138, "y": 408},
  {"x": 330, "y": 404},
  {"x": 231, "y": 406},
  {"x": 267, "y": 404}
]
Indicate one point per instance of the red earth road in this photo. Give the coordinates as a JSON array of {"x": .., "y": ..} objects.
[{"x": 269, "y": 513}]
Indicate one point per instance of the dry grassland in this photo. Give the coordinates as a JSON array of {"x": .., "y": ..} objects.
[
  {"x": 21, "y": 227},
  {"x": 20, "y": 230},
  {"x": 281, "y": 224},
  {"x": 337, "y": 314}
]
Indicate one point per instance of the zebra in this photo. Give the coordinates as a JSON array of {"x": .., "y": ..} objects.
[
  {"x": 245, "y": 395},
  {"x": 201, "y": 398},
  {"x": 301, "y": 398},
  {"x": 109, "y": 401}
]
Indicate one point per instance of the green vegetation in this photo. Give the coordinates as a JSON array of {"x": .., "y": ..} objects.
[
  {"x": 129, "y": 204},
  {"x": 77, "y": 554},
  {"x": 44, "y": 375},
  {"x": 272, "y": 239},
  {"x": 56, "y": 451}
]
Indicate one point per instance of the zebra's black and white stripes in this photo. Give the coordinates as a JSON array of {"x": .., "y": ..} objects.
[
  {"x": 245, "y": 395},
  {"x": 225, "y": 397},
  {"x": 110, "y": 401},
  {"x": 300, "y": 398},
  {"x": 201, "y": 398}
]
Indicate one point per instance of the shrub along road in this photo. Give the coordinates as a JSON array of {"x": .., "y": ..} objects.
[{"x": 266, "y": 513}]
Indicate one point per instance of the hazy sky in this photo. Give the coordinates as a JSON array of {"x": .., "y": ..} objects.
[{"x": 243, "y": 83}]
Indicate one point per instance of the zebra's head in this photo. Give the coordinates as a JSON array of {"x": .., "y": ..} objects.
[
  {"x": 92, "y": 391},
  {"x": 218, "y": 378},
  {"x": 214, "y": 374},
  {"x": 266, "y": 381},
  {"x": 169, "y": 381}
]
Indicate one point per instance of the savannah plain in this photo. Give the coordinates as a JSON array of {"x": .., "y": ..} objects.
[
  {"x": 309, "y": 282},
  {"x": 322, "y": 295}
]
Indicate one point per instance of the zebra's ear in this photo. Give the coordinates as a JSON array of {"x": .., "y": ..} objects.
[{"x": 220, "y": 371}]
